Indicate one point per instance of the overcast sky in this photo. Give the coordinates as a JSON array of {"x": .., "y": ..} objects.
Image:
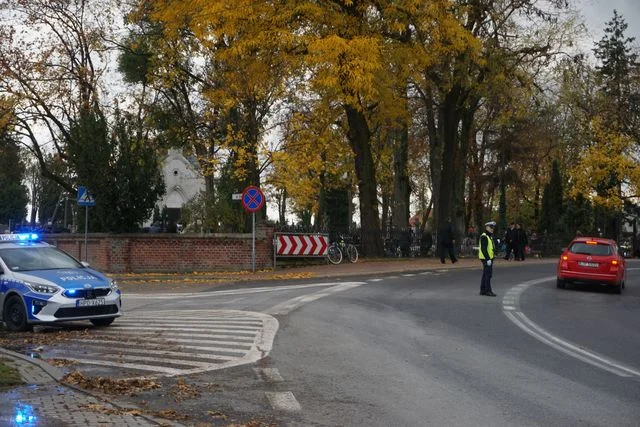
[{"x": 598, "y": 12}]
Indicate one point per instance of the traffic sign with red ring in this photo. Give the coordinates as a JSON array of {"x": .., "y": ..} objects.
[{"x": 252, "y": 199}]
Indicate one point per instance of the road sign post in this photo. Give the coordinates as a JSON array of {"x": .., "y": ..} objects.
[
  {"x": 252, "y": 201},
  {"x": 85, "y": 199}
]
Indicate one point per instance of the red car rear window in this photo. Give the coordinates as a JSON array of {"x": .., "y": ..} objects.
[{"x": 590, "y": 249}]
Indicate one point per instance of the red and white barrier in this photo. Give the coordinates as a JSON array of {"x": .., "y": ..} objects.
[{"x": 303, "y": 245}]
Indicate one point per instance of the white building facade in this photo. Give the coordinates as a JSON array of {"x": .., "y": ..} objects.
[{"x": 183, "y": 181}]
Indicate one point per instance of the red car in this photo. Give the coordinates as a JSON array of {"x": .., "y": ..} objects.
[{"x": 592, "y": 260}]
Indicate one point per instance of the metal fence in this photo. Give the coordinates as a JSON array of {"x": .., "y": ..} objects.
[{"x": 412, "y": 243}]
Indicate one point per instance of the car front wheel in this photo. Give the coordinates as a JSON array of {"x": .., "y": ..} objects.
[
  {"x": 103, "y": 322},
  {"x": 15, "y": 315}
]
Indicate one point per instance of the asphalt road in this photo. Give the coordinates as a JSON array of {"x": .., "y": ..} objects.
[
  {"x": 427, "y": 350},
  {"x": 414, "y": 349}
]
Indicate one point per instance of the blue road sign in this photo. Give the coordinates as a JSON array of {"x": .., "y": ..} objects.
[
  {"x": 252, "y": 199},
  {"x": 84, "y": 198}
]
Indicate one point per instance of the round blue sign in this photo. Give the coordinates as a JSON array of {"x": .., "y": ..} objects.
[{"x": 252, "y": 199}]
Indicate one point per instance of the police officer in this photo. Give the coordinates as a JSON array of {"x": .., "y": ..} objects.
[{"x": 486, "y": 255}]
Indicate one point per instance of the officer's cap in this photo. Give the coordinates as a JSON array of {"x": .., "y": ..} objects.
[{"x": 490, "y": 224}]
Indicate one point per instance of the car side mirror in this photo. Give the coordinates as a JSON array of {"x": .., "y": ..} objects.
[
  {"x": 85, "y": 264},
  {"x": 563, "y": 249}
]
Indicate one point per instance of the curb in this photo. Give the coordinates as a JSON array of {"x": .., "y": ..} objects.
[
  {"x": 51, "y": 371},
  {"x": 56, "y": 374}
]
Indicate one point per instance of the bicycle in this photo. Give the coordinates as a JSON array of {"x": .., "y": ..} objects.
[{"x": 340, "y": 250}]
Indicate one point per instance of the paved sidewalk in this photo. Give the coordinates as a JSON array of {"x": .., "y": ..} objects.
[{"x": 44, "y": 401}]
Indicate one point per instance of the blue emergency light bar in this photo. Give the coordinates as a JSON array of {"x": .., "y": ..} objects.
[{"x": 22, "y": 237}]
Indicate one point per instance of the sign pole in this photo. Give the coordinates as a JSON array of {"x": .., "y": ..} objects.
[
  {"x": 253, "y": 245},
  {"x": 86, "y": 229},
  {"x": 85, "y": 199},
  {"x": 252, "y": 201}
]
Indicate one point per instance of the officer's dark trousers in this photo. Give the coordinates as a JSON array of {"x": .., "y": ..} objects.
[{"x": 487, "y": 272}]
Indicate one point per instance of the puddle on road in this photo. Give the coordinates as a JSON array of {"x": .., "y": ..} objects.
[{"x": 16, "y": 409}]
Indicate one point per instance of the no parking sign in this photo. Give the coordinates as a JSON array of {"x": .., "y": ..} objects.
[{"x": 252, "y": 199}]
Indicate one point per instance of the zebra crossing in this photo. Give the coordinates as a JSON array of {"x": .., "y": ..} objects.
[{"x": 171, "y": 343}]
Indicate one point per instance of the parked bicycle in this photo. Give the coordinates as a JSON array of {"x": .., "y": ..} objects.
[{"x": 342, "y": 249}]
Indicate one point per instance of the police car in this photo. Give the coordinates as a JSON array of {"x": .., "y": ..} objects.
[{"x": 41, "y": 284}]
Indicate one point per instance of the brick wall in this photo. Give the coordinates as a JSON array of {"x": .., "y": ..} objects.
[{"x": 140, "y": 253}]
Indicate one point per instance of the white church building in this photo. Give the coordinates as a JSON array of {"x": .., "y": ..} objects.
[{"x": 183, "y": 182}]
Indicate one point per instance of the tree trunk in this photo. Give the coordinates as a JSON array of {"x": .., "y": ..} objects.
[
  {"x": 435, "y": 152},
  {"x": 360, "y": 138},
  {"x": 449, "y": 120},
  {"x": 461, "y": 167},
  {"x": 401, "y": 190}
]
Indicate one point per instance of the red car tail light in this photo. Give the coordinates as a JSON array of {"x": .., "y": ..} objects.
[{"x": 614, "y": 265}]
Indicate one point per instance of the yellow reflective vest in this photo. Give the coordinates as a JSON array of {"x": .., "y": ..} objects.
[{"x": 489, "y": 246}]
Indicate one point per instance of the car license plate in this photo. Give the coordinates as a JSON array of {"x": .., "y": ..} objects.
[
  {"x": 89, "y": 302},
  {"x": 587, "y": 264}
]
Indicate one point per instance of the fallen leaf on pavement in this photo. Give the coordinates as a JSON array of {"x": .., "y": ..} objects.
[
  {"x": 61, "y": 363},
  {"x": 183, "y": 391},
  {"x": 111, "y": 386}
]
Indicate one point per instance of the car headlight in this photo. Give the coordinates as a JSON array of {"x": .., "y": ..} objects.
[
  {"x": 42, "y": 289},
  {"x": 113, "y": 285}
]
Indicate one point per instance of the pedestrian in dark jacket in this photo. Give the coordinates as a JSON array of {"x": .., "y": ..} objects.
[
  {"x": 509, "y": 240},
  {"x": 520, "y": 241},
  {"x": 447, "y": 242}
]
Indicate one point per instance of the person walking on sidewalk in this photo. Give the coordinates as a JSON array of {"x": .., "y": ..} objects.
[
  {"x": 521, "y": 241},
  {"x": 447, "y": 242},
  {"x": 486, "y": 255},
  {"x": 509, "y": 241}
]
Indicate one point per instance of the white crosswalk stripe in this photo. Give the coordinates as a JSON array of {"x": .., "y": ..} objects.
[{"x": 170, "y": 343}]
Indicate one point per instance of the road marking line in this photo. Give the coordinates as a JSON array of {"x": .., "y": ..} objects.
[
  {"x": 234, "y": 347},
  {"x": 162, "y": 369},
  {"x": 160, "y": 361},
  {"x": 287, "y": 306},
  {"x": 202, "y": 323},
  {"x": 176, "y": 328},
  {"x": 229, "y": 292},
  {"x": 170, "y": 316},
  {"x": 283, "y": 401},
  {"x": 375, "y": 280},
  {"x": 240, "y": 350},
  {"x": 178, "y": 336},
  {"x": 161, "y": 352},
  {"x": 566, "y": 347},
  {"x": 269, "y": 374},
  {"x": 408, "y": 275}
]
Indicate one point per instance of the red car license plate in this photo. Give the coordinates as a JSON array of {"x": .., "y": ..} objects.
[
  {"x": 89, "y": 302},
  {"x": 587, "y": 264}
]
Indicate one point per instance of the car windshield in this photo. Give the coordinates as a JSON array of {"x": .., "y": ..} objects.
[
  {"x": 37, "y": 258},
  {"x": 598, "y": 249}
]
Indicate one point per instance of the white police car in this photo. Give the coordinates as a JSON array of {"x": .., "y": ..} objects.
[{"x": 41, "y": 284}]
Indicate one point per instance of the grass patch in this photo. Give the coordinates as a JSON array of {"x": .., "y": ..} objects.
[{"x": 9, "y": 376}]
